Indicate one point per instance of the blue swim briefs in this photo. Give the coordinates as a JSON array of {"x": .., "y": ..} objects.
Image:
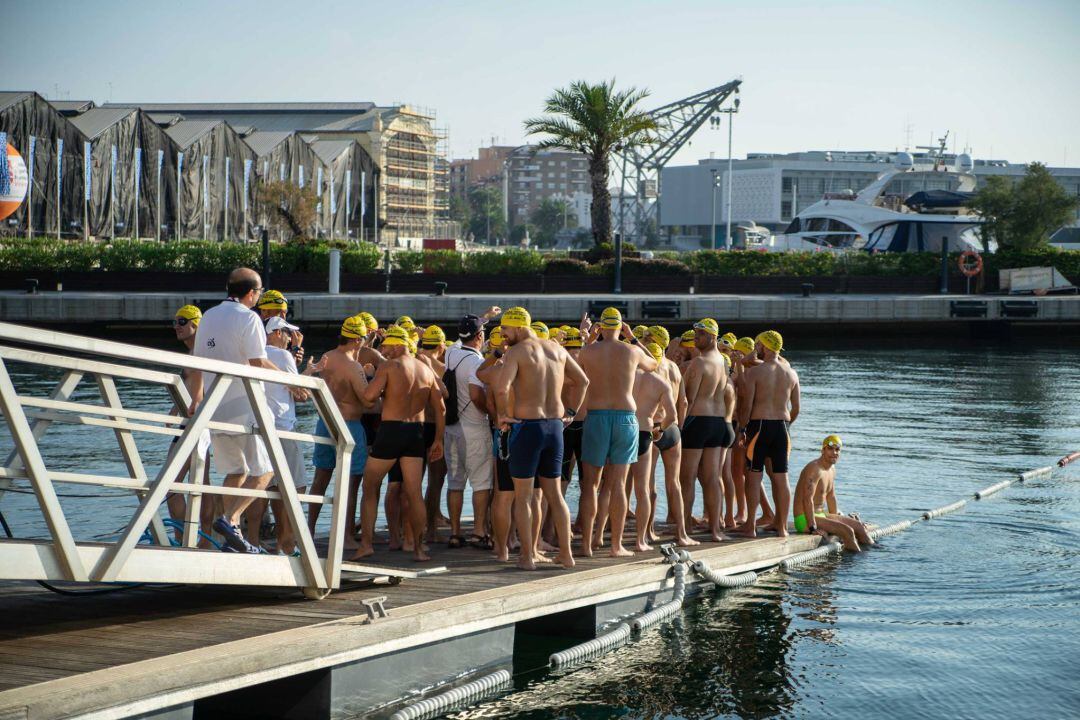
[{"x": 325, "y": 456}]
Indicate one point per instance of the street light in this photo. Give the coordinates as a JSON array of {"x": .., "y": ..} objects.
[
  {"x": 715, "y": 122},
  {"x": 712, "y": 227}
]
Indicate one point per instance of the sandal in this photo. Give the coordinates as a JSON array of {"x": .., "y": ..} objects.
[
  {"x": 456, "y": 541},
  {"x": 483, "y": 543}
]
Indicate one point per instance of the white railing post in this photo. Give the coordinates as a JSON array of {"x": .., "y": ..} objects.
[
  {"x": 67, "y": 553},
  {"x": 342, "y": 478}
]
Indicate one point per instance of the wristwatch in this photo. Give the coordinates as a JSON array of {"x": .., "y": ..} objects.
[{"x": 571, "y": 412}]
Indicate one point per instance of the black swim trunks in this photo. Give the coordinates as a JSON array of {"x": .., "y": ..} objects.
[
  {"x": 644, "y": 442},
  {"x": 706, "y": 431},
  {"x": 396, "y": 439},
  {"x": 669, "y": 438},
  {"x": 768, "y": 439},
  {"x": 370, "y": 421},
  {"x": 571, "y": 435}
]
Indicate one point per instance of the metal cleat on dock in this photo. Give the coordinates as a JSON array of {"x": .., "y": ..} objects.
[{"x": 374, "y": 607}]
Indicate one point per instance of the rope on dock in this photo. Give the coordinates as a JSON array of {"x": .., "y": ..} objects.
[
  {"x": 441, "y": 703},
  {"x": 647, "y": 620},
  {"x": 586, "y": 650}
]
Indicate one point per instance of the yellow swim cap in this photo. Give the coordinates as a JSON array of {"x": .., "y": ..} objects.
[
  {"x": 272, "y": 300},
  {"x": 405, "y": 322},
  {"x": 729, "y": 339},
  {"x": 660, "y": 335},
  {"x": 516, "y": 317},
  {"x": 540, "y": 329},
  {"x": 745, "y": 345},
  {"x": 655, "y": 350},
  {"x": 572, "y": 339},
  {"x": 687, "y": 339},
  {"x": 832, "y": 441},
  {"x": 395, "y": 336},
  {"x": 369, "y": 320},
  {"x": 639, "y": 331},
  {"x": 566, "y": 328},
  {"x": 353, "y": 327},
  {"x": 708, "y": 325},
  {"x": 190, "y": 313},
  {"x": 611, "y": 318},
  {"x": 433, "y": 336},
  {"x": 495, "y": 337},
  {"x": 412, "y": 347},
  {"x": 771, "y": 340},
  {"x": 727, "y": 360}
]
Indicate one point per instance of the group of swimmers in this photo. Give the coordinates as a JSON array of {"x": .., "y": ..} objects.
[{"x": 511, "y": 407}]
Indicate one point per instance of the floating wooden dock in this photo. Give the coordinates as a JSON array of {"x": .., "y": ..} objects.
[{"x": 209, "y": 651}]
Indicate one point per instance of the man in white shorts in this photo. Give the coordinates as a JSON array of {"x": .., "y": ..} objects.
[
  {"x": 468, "y": 441},
  {"x": 233, "y": 333}
]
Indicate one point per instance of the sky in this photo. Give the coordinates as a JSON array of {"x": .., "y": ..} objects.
[{"x": 1001, "y": 77}]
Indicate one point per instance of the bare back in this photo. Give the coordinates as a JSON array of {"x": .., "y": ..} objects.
[
  {"x": 706, "y": 380},
  {"x": 611, "y": 367},
  {"x": 409, "y": 382},
  {"x": 536, "y": 369},
  {"x": 774, "y": 391},
  {"x": 346, "y": 379}
]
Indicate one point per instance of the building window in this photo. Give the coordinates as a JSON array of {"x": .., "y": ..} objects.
[
  {"x": 785, "y": 208},
  {"x": 551, "y": 186},
  {"x": 563, "y": 163},
  {"x": 785, "y": 184}
]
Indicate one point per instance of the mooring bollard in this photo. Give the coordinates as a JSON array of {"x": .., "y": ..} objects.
[{"x": 335, "y": 272}]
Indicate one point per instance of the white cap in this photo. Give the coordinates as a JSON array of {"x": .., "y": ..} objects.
[{"x": 278, "y": 323}]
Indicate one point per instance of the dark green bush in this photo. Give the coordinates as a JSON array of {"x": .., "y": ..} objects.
[
  {"x": 409, "y": 261},
  {"x": 565, "y": 266},
  {"x": 634, "y": 266},
  {"x": 445, "y": 262}
]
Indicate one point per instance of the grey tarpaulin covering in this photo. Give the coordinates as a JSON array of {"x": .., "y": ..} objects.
[
  {"x": 216, "y": 140},
  {"x": 127, "y": 129},
  {"x": 26, "y": 114},
  {"x": 281, "y": 155},
  {"x": 340, "y": 155}
]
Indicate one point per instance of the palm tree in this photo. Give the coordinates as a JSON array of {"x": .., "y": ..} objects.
[{"x": 595, "y": 120}]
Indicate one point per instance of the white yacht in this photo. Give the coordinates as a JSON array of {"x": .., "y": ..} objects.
[{"x": 906, "y": 209}]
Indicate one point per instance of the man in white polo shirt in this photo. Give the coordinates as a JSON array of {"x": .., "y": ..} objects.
[{"x": 233, "y": 333}]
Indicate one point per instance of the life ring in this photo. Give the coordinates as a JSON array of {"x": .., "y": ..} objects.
[{"x": 971, "y": 263}]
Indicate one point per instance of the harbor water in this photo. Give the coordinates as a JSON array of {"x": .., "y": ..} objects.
[{"x": 972, "y": 614}]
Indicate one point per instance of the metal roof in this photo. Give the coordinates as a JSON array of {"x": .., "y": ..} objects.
[
  {"x": 165, "y": 119},
  {"x": 186, "y": 132},
  {"x": 264, "y": 142},
  {"x": 95, "y": 121},
  {"x": 358, "y": 123},
  {"x": 330, "y": 150},
  {"x": 10, "y": 97},
  {"x": 71, "y": 107},
  {"x": 252, "y": 107}
]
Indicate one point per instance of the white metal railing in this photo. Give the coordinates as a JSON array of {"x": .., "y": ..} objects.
[{"x": 62, "y": 558}]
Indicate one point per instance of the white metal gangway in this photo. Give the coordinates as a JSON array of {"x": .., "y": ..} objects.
[{"x": 61, "y": 557}]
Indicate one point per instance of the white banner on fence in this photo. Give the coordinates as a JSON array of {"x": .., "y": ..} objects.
[
  {"x": 333, "y": 200},
  {"x": 348, "y": 196},
  {"x": 179, "y": 163},
  {"x": 112, "y": 176},
  {"x": 87, "y": 174},
  {"x": 30, "y": 167},
  {"x": 205, "y": 182},
  {"x": 318, "y": 190},
  {"x": 281, "y": 173},
  {"x": 59, "y": 171},
  {"x": 138, "y": 176},
  {"x": 266, "y": 169},
  {"x": 227, "y": 184},
  {"x": 363, "y": 192},
  {"x": 247, "y": 181},
  {"x": 300, "y": 180}
]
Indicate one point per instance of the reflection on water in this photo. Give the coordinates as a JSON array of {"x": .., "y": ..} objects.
[{"x": 971, "y": 614}]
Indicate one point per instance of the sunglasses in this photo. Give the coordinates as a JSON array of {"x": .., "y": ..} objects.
[{"x": 180, "y": 322}]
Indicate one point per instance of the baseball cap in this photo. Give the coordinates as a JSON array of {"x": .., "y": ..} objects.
[
  {"x": 190, "y": 313},
  {"x": 771, "y": 340},
  {"x": 540, "y": 329},
  {"x": 272, "y": 300},
  {"x": 395, "y": 336},
  {"x": 611, "y": 318},
  {"x": 469, "y": 326},
  {"x": 353, "y": 327},
  {"x": 433, "y": 336},
  {"x": 708, "y": 325},
  {"x": 278, "y": 323},
  {"x": 516, "y": 317},
  {"x": 660, "y": 334}
]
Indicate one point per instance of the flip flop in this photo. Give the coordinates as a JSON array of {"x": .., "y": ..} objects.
[
  {"x": 456, "y": 541},
  {"x": 483, "y": 543}
]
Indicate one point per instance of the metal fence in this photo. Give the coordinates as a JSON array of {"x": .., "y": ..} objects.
[{"x": 126, "y": 560}]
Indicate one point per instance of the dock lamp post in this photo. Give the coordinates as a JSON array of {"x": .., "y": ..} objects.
[
  {"x": 712, "y": 225},
  {"x": 715, "y": 122}
]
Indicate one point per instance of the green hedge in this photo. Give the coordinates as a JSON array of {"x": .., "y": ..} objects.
[
  {"x": 43, "y": 254},
  {"x": 182, "y": 256}
]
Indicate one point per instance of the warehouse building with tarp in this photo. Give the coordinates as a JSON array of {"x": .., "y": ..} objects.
[
  {"x": 215, "y": 181},
  {"x": 53, "y": 150},
  {"x": 347, "y": 199},
  {"x": 283, "y": 156},
  {"x": 133, "y": 163}
]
